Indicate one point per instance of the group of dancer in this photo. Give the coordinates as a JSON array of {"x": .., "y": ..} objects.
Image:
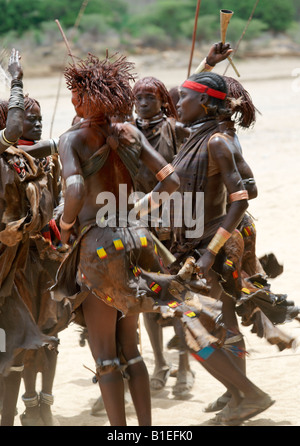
[{"x": 61, "y": 261}]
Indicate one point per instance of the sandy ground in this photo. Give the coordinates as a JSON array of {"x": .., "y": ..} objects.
[{"x": 272, "y": 150}]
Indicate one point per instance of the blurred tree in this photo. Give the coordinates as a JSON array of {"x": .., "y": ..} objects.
[
  {"x": 20, "y": 15},
  {"x": 297, "y": 10},
  {"x": 174, "y": 18}
]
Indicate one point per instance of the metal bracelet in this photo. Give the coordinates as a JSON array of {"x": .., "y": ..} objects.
[
  {"x": 16, "y": 99},
  {"x": 74, "y": 179},
  {"x": 5, "y": 141}
]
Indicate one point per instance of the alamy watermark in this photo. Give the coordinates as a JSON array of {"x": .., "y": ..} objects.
[
  {"x": 2, "y": 341},
  {"x": 177, "y": 210}
]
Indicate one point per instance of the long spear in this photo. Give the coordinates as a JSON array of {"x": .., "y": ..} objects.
[{"x": 194, "y": 36}]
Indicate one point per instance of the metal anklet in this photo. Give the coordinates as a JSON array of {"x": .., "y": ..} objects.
[
  {"x": 46, "y": 398},
  {"x": 32, "y": 401}
]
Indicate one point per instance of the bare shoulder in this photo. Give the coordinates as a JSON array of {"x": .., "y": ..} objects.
[
  {"x": 219, "y": 146},
  {"x": 74, "y": 137}
]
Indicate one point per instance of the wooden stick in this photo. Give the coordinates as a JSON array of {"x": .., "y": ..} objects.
[
  {"x": 80, "y": 14},
  {"x": 243, "y": 33},
  {"x": 233, "y": 66},
  {"x": 65, "y": 39},
  {"x": 194, "y": 36}
]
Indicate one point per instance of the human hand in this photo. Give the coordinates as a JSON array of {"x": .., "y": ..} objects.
[
  {"x": 67, "y": 236},
  {"x": 14, "y": 66},
  {"x": 205, "y": 262},
  {"x": 218, "y": 52}
]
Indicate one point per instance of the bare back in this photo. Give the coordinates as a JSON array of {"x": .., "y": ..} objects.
[
  {"x": 78, "y": 146},
  {"x": 85, "y": 142}
]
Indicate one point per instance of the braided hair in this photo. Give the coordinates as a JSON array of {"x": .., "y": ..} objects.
[
  {"x": 240, "y": 103},
  {"x": 215, "y": 106},
  {"x": 104, "y": 84},
  {"x": 30, "y": 102},
  {"x": 155, "y": 86}
]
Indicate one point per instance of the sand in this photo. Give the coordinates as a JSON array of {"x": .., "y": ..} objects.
[{"x": 272, "y": 150}]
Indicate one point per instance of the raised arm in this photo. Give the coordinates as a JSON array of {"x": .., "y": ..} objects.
[
  {"x": 14, "y": 123},
  {"x": 218, "y": 52}
]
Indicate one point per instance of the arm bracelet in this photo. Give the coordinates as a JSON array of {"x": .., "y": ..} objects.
[
  {"x": 66, "y": 226},
  {"x": 16, "y": 99},
  {"x": 219, "y": 239},
  {"x": 203, "y": 66},
  {"x": 5, "y": 141},
  {"x": 239, "y": 195},
  {"x": 53, "y": 145},
  {"x": 164, "y": 172},
  {"x": 247, "y": 181},
  {"x": 74, "y": 179}
]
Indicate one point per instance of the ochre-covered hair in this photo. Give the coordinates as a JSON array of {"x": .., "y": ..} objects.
[
  {"x": 104, "y": 84},
  {"x": 240, "y": 103},
  {"x": 3, "y": 114},
  {"x": 155, "y": 86}
]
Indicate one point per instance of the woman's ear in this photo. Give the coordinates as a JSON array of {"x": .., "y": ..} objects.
[
  {"x": 203, "y": 101},
  {"x": 203, "y": 98}
]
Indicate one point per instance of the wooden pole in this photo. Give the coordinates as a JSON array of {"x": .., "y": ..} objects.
[
  {"x": 80, "y": 14},
  {"x": 194, "y": 36},
  {"x": 65, "y": 39}
]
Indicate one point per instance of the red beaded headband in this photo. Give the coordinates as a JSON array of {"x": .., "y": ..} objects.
[{"x": 204, "y": 89}]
